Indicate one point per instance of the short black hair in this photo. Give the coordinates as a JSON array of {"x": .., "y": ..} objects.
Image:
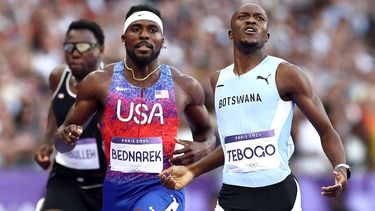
[
  {"x": 142, "y": 7},
  {"x": 89, "y": 25}
]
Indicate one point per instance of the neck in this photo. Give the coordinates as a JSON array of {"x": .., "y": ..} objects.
[
  {"x": 140, "y": 73},
  {"x": 245, "y": 62},
  {"x": 141, "y": 69}
]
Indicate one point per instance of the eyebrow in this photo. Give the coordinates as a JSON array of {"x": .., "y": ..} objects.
[
  {"x": 152, "y": 24},
  {"x": 254, "y": 13}
]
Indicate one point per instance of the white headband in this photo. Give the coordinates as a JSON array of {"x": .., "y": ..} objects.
[{"x": 143, "y": 15}]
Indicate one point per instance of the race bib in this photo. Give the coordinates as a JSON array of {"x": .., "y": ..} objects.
[
  {"x": 251, "y": 152},
  {"x": 137, "y": 155},
  {"x": 84, "y": 156}
]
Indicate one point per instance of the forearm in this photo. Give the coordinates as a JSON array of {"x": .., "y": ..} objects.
[
  {"x": 333, "y": 148},
  {"x": 50, "y": 134},
  {"x": 207, "y": 137},
  {"x": 212, "y": 161},
  {"x": 51, "y": 128}
]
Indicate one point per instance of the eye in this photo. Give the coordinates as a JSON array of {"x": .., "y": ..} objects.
[
  {"x": 135, "y": 28},
  {"x": 261, "y": 18},
  {"x": 153, "y": 29},
  {"x": 242, "y": 17}
]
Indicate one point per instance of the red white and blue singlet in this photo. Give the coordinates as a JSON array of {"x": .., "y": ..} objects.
[{"x": 139, "y": 127}]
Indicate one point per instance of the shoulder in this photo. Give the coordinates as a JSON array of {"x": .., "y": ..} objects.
[
  {"x": 95, "y": 85},
  {"x": 290, "y": 72},
  {"x": 186, "y": 85},
  {"x": 184, "y": 80},
  {"x": 290, "y": 79},
  {"x": 99, "y": 76},
  {"x": 214, "y": 77},
  {"x": 55, "y": 76}
]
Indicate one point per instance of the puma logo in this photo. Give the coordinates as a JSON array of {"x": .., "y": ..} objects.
[{"x": 266, "y": 79}]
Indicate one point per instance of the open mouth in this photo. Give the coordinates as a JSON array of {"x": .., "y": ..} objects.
[{"x": 250, "y": 29}]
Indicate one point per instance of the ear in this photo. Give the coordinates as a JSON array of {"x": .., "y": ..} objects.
[
  {"x": 123, "y": 39},
  {"x": 101, "y": 48},
  {"x": 230, "y": 34},
  {"x": 268, "y": 37},
  {"x": 163, "y": 43}
]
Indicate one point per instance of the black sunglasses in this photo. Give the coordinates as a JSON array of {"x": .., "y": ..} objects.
[{"x": 81, "y": 47}]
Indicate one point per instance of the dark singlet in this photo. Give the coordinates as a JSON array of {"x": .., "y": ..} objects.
[{"x": 86, "y": 163}]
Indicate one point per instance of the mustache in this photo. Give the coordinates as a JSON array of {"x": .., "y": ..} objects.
[{"x": 149, "y": 45}]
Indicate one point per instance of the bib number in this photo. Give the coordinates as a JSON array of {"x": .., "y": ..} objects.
[
  {"x": 251, "y": 152},
  {"x": 137, "y": 155},
  {"x": 84, "y": 156}
]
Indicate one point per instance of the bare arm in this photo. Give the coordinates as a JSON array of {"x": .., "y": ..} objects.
[
  {"x": 177, "y": 177},
  {"x": 90, "y": 97},
  {"x": 199, "y": 121},
  {"x": 43, "y": 154},
  {"x": 294, "y": 85},
  {"x": 216, "y": 158}
]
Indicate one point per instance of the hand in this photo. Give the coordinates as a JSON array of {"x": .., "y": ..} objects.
[
  {"x": 68, "y": 137},
  {"x": 70, "y": 134},
  {"x": 43, "y": 156},
  {"x": 176, "y": 177},
  {"x": 192, "y": 151},
  {"x": 341, "y": 183}
]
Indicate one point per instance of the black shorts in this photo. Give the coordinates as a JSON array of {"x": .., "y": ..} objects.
[
  {"x": 278, "y": 197},
  {"x": 65, "y": 194}
]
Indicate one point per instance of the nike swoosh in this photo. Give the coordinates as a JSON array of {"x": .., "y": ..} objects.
[
  {"x": 220, "y": 85},
  {"x": 121, "y": 89}
]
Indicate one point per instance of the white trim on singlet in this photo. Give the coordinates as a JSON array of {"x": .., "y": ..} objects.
[
  {"x": 297, "y": 203},
  {"x": 91, "y": 186},
  {"x": 218, "y": 208},
  {"x": 66, "y": 71},
  {"x": 68, "y": 86}
]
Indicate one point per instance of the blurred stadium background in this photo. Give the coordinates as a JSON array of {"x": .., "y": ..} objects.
[{"x": 333, "y": 41}]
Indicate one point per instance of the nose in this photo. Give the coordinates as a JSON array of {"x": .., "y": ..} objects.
[
  {"x": 143, "y": 34},
  {"x": 75, "y": 53},
  {"x": 251, "y": 20}
]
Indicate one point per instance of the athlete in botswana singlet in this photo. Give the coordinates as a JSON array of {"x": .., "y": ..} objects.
[{"x": 254, "y": 103}]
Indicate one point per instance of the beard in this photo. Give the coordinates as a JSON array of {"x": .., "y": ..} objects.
[
  {"x": 142, "y": 60},
  {"x": 249, "y": 47}
]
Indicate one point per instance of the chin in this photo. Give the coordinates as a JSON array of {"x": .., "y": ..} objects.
[
  {"x": 143, "y": 60},
  {"x": 249, "y": 44}
]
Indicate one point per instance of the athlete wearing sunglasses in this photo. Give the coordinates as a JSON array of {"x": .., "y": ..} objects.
[
  {"x": 75, "y": 182},
  {"x": 81, "y": 47}
]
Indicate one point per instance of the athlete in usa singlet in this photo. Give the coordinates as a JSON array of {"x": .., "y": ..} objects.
[{"x": 139, "y": 127}]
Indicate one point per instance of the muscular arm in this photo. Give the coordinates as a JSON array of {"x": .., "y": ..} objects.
[
  {"x": 191, "y": 101},
  {"x": 294, "y": 85},
  {"x": 85, "y": 105},
  {"x": 197, "y": 115},
  {"x": 91, "y": 93},
  {"x": 54, "y": 80},
  {"x": 214, "y": 159},
  {"x": 177, "y": 177},
  {"x": 51, "y": 126},
  {"x": 301, "y": 92},
  {"x": 43, "y": 154}
]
